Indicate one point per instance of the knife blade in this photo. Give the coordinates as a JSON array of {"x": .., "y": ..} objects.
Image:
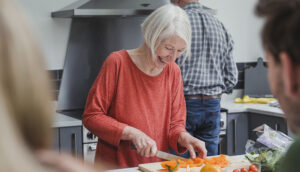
[
  {"x": 163, "y": 155},
  {"x": 167, "y": 156}
]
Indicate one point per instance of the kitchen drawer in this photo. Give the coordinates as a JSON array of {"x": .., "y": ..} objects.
[
  {"x": 237, "y": 133},
  {"x": 69, "y": 140}
]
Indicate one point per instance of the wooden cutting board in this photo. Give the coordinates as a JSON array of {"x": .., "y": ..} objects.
[{"x": 235, "y": 162}]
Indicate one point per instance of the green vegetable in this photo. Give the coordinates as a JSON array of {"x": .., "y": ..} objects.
[
  {"x": 170, "y": 169},
  {"x": 267, "y": 158}
]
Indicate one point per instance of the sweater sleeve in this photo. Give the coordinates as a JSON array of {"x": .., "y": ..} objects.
[
  {"x": 178, "y": 117},
  {"x": 96, "y": 117}
]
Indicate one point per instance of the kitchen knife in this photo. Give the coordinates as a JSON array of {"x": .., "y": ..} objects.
[{"x": 163, "y": 155}]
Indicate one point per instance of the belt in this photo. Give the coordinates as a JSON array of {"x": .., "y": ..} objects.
[{"x": 202, "y": 96}]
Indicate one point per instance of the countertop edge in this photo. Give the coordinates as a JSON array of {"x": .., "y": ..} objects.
[
  {"x": 254, "y": 108},
  {"x": 61, "y": 120}
]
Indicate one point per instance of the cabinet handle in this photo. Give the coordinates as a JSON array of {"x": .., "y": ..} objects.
[
  {"x": 221, "y": 141},
  {"x": 74, "y": 145},
  {"x": 276, "y": 127},
  {"x": 92, "y": 147},
  {"x": 234, "y": 136},
  {"x": 219, "y": 147}
]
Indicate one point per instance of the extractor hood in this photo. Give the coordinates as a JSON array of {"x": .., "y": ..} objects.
[{"x": 103, "y": 8}]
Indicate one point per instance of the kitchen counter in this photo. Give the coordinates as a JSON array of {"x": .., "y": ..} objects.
[
  {"x": 255, "y": 108},
  {"x": 62, "y": 120},
  {"x": 264, "y": 109},
  {"x": 133, "y": 169},
  {"x": 237, "y": 158}
]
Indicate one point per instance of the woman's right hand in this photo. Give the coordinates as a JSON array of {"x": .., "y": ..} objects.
[{"x": 145, "y": 146}]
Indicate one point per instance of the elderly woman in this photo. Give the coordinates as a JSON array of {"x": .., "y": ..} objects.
[{"x": 138, "y": 98}]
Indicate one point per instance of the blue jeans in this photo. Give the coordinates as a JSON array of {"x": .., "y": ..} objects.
[{"x": 203, "y": 122}]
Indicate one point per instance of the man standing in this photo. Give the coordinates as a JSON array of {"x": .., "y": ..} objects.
[
  {"x": 281, "y": 41},
  {"x": 207, "y": 73}
]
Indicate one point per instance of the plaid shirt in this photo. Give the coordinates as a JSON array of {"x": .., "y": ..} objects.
[{"x": 210, "y": 69}]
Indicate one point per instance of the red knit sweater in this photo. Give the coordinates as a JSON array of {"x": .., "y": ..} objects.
[{"x": 123, "y": 95}]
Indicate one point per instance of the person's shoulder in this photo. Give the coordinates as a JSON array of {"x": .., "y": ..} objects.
[
  {"x": 174, "y": 68},
  {"x": 210, "y": 16},
  {"x": 296, "y": 145},
  {"x": 196, "y": 9},
  {"x": 290, "y": 160},
  {"x": 294, "y": 149},
  {"x": 116, "y": 57}
]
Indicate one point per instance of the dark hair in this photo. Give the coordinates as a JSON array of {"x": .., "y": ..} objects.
[{"x": 281, "y": 32}]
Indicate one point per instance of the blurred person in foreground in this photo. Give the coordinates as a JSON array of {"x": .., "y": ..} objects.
[
  {"x": 138, "y": 98},
  {"x": 25, "y": 102},
  {"x": 207, "y": 74},
  {"x": 281, "y": 41}
]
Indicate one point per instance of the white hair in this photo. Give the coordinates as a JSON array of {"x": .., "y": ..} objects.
[{"x": 164, "y": 22}]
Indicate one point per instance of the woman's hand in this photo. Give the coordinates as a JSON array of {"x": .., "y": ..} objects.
[
  {"x": 192, "y": 144},
  {"x": 62, "y": 162},
  {"x": 145, "y": 146}
]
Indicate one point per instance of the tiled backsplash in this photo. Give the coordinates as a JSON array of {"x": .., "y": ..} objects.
[
  {"x": 57, "y": 75},
  {"x": 241, "y": 69}
]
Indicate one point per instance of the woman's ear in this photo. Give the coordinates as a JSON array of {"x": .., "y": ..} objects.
[{"x": 290, "y": 73}]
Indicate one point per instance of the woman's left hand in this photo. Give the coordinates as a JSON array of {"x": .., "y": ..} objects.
[
  {"x": 62, "y": 162},
  {"x": 192, "y": 144}
]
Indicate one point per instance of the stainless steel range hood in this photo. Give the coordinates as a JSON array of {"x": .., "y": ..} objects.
[{"x": 103, "y": 8}]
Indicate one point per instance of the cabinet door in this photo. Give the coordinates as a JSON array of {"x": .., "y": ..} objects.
[
  {"x": 56, "y": 138},
  {"x": 71, "y": 140},
  {"x": 276, "y": 123},
  {"x": 237, "y": 133},
  {"x": 222, "y": 147}
]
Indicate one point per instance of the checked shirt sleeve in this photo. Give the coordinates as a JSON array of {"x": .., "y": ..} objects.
[{"x": 230, "y": 69}]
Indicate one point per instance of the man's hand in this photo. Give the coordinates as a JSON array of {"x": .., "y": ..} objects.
[
  {"x": 192, "y": 144},
  {"x": 145, "y": 146}
]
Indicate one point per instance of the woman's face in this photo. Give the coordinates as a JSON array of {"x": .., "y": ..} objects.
[{"x": 169, "y": 50}]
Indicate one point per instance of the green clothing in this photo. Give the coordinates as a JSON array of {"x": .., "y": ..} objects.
[{"x": 291, "y": 161}]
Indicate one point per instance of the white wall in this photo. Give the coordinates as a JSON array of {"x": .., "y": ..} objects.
[
  {"x": 52, "y": 33},
  {"x": 237, "y": 16}
]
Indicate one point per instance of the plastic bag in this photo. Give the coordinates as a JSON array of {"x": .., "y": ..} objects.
[
  {"x": 274, "y": 139},
  {"x": 268, "y": 148}
]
